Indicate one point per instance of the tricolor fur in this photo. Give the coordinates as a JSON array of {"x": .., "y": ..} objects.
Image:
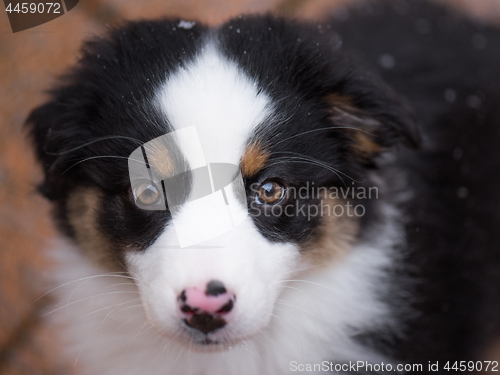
[{"x": 402, "y": 280}]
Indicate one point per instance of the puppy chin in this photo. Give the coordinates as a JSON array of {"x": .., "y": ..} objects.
[
  {"x": 220, "y": 340},
  {"x": 202, "y": 343},
  {"x": 212, "y": 346}
]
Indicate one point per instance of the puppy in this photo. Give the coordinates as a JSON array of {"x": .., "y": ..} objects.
[{"x": 271, "y": 197}]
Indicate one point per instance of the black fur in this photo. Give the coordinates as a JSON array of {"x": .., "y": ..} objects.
[
  {"x": 453, "y": 217},
  {"x": 426, "y": 54},
  {"x": 102, "y": 103}
]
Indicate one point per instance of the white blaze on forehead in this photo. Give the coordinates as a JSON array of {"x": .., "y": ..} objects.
[
  {"x": 213, "y": 94},
  {"x": 213, "y": 107}
]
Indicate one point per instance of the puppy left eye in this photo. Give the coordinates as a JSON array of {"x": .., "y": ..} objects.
[
  {"x": 147, "y": 193},
  {"x": 270, "y": 192}
]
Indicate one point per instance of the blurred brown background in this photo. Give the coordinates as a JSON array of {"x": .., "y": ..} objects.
[{"x": 28, "y": 62}]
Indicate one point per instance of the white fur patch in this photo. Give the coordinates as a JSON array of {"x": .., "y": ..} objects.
[
  {"x": 312, "y": 320},
  {"x": 220, "y": 100},
  {"x": 214, "y": 99}
]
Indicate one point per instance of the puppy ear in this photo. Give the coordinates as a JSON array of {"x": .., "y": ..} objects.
[
  {"x": 373, "y": 115},
  {"x": 40, "y": 125}
]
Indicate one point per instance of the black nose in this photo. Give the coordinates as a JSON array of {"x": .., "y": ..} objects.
[
  {"x": 214, "y": 288},
  {"x": 205, "y": 322}
]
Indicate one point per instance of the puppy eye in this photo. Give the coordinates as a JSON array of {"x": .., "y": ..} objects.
[
  {"x": 270, "y": 192},
  {"x": 147, "y": 193}
]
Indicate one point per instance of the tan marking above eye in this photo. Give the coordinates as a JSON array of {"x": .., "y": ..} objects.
[
  {"x": 159, "y": 158},
  {"x": 253, "y": 160},
  {"x": 147, "y": 193},
  {"x": 270, "y": 192}
]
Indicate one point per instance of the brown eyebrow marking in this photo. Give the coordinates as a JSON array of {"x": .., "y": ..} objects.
[
  {"x": 254, "y": 159},
  {"x": 159, "y": 158}
]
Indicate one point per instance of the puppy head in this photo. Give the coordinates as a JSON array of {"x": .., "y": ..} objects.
[{"x": 201, "y": 161}]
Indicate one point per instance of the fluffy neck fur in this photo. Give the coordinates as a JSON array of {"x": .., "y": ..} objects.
[{"x": 105, "y": 329}]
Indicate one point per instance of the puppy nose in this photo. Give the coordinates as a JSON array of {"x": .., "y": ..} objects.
[
  {"x": 213, "y": 300},
  {"x": 206, "y": 310}
]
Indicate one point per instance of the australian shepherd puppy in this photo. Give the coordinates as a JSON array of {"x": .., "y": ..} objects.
[{"x": 269, "y": 197}]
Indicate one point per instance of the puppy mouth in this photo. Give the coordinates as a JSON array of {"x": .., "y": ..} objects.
[
  {"x": 205, "y": 323},
  {"x": 208, "y": 342},
  {"x": 205, "y": 340}
]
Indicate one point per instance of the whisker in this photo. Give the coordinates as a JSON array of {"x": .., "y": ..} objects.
[
  {"x": 115, "y": 306},
  {"x": 80, "y": 353},
  {"x": 367, "y": 120},
  {"x": 86, "y": 281},
  {"x": 293, "y": 329},
  {"x": 251, "y": 351},
  {"x": 120, "y": 284},
  {"x": 307, "y": 162},
  {"x": 323, "y": 129},
  {"x": 320, "y": 162},
  {"x": 267, "y": 337},
  {"x": 100, "y": 157},
  {"x": 310, "y": 298},
  {"x": 130, "y": 319},
  {"x": 138, "y": 141},
  {"x": 307, "y": 268},
  {"x": 288, "y": 304},
  {"x": 86, "y": 341},
  {"x": 181, "y": 353},
  {"x": 139, "y": 333},
  {"x": 298, "y": 315},
  {"x": 110, "y": 274},
  {"x": 309, "y": 282},
  {"x": 86, "y": 299}
]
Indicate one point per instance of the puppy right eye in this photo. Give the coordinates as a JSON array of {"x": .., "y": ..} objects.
[
  {"x": 147, "y": 193},
  {"x": 270, "y": 192}
]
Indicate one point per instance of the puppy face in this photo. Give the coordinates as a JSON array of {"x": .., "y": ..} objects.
[{"x": 179, "y": 154}]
